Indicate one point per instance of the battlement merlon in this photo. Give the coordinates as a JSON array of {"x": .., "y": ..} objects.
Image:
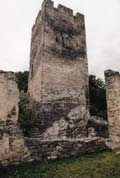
[
  {"x": 60, "y": 8},
  {"x": 49, "y": 5}
]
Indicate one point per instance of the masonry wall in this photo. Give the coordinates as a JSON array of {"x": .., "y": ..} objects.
[
  {"x": 57, "y": 149},
  {"x": 12, "y": 147},
  {"x": 113, "y": 104},
  {"x": 58, "y": 79}
]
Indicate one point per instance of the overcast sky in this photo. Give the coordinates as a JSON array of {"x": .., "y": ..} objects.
[{"x": 102, "y": 29}]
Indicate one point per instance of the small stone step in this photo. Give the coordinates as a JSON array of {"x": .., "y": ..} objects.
[
  {"x": 35, "y": 135},
  {"x": 117, "y": 150}
]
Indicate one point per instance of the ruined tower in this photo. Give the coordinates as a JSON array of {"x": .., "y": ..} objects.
[{"x": 58, "y": 80}]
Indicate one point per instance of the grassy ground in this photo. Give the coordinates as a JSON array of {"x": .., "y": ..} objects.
[{"x": 102, "y": 165}]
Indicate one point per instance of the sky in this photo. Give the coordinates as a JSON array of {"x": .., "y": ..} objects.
[{"x": 102, "y": 32}]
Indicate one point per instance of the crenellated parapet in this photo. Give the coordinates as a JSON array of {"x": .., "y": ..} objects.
[
  {"x": 63, "y": 11},
  {"x": 60, "y": 9}
]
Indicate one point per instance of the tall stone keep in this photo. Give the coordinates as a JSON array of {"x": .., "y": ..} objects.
[
  {"x": 113, "y": 104},
  {"x": 58, "y": 80}
]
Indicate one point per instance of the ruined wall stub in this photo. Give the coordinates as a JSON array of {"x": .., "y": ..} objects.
[
  {"x": 113, "y": 104},
  {"x": 12, "y": 148},
  {"x": 58, "y": 80}
]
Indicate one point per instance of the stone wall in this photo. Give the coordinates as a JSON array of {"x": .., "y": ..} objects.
[
  {"x": 58, "y": 81},
  {"x": 113, "y": 104},
  {"x": 12, "y": 147},
  {"x": 46, "y": 149}
]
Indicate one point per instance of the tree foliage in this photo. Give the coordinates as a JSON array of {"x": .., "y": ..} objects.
[
  {"x": 22, "y": 80},
  {"x": 25, "y": 116},
  {"x": 98, "y": 105}
]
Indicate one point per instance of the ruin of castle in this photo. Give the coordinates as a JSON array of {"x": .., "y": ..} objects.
[{"x": 58, "y": 92}]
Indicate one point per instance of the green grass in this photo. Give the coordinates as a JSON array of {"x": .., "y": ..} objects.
[{"x": 101, "y": 165}]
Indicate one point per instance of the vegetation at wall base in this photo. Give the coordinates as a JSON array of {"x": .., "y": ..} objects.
[{"x": 100, "y": 165}]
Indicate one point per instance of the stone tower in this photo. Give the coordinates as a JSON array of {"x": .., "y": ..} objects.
[{"x": 58, "y": 80}]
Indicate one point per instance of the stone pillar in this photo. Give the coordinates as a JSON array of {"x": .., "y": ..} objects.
[{"x": 113, "y": 105}]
